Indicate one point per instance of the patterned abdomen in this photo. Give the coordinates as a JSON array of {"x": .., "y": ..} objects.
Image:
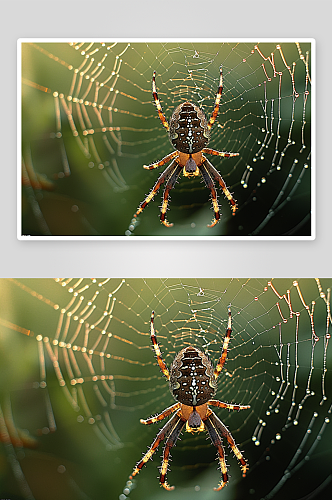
[
  {"x": 192, "y": 381},
  {"x": 188, "y": 130}
]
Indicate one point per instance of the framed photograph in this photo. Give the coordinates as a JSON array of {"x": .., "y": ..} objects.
[{"x": 179, "y": 139}]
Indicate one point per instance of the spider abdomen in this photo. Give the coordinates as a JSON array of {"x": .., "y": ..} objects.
[
  {"x": 192, "y": 380},
  {"x": 188, "y": 129}
]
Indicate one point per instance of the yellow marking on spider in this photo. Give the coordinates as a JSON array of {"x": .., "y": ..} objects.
[
  {"x": 146, "y": 457},
  {"x": 157, "y": 349},
  {"x": 237, "y": 452},
  {"x": 158, "y": 105},
  {"x": 226, "y": 342},
  {"x": 244, "y": 469},
  {"x": 228, "y": 194},
  {"x": 215, "y": 205},
  {"x": 229, "y": 322},
  {"x": 164, "y": 206},
  {"x": 193, "y": 430},
  {"x": 190, "y": 174},
  {"x": 163, "y": 469}
]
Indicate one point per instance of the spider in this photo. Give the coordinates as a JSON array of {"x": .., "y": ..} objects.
[
  {"x": 189, "y": 133},
  {"x": 192, "y": 382}
]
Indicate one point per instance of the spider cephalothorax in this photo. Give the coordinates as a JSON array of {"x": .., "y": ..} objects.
[
  {"x": 192, "y": 382},
  {"x": 189, "y": 133}
]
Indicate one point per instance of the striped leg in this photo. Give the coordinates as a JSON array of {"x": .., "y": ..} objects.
[
  {"x": 223, "y": 356},
  {"x": 220, "y": 427},
  {"x": 214, "y": 152},
  {"x": 210, "y": 184},
  {"x": 220, "y": 404},
  {"x": 162, "y": 415},
  {"x": 166, "y": 453},
  {"x": 160, "y": 181},
  {"x": 156, "y": 347},
  {"x": 165, "y": 160},
  {"x": 164, "y": 433},
  {"x": 169, "y": 185},
  {"x": 158, "y": 105},
  {"x": 217, "y": 177},
  {"x": 217, "y": 442},
  {"x": 217, "y": 102}
]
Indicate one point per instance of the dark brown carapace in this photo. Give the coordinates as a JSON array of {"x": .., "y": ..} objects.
[{"x": 192, "y": 380}]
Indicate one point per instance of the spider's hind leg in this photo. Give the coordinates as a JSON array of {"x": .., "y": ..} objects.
[
  {"x": 169, "y": 185},
  {"x": 213, "y": 172},
  {"x": 170, "y": 432},
  {"x": 167, "y": 173},
  {"x": 210, "y": 184},
  {"x": 217, "y": 442},
  {"x": 170, "y": 442},
  {"x": 221, "y": 428}
]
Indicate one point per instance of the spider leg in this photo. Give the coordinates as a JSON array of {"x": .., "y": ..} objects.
[
  {"x": 214, "y": 152},
  {"x": 160, "y": 181},
  {"x": 158, "y": 105},
  {"x": 215, "y": 174},
  {"x": 157, "y": 350},
  {"x": 172, "y": 439},
  {"x": 223, "y": 356},
  {"x": 169, "y": 185},
  {"x": 220, "y": 404},
  {"x": 216, "y": 103},
  {"x": 220, "y": 427},
  {"x": 162, "y": 415},
  {"x": 168, "y": 429},
  {"x": 165, "y": 160},
  {"x": 210, "y": 184},
  {"x": 217, "y": 442}
]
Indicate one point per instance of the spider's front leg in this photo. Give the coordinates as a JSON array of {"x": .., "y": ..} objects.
[
  {"x": 156, "y": 347},
  {"x": 216, "y": 103},
  {"x": 227, "y": 338},
  {"x": 157, "y": 102}
]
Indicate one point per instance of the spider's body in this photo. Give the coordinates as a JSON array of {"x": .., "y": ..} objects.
[
  {"x": 189, "y": 133},
  {"x": 192, "y": 382},
  {"x": 188, "y": 129},
  {"x": 191, "y": 377}
]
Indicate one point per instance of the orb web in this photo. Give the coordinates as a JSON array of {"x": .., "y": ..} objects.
[{"x": 79, "y": 372}]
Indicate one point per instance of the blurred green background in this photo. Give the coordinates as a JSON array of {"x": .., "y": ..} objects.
[
  {"x": 65, "y": 434},
  {"x": 89, "y": 124}
]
